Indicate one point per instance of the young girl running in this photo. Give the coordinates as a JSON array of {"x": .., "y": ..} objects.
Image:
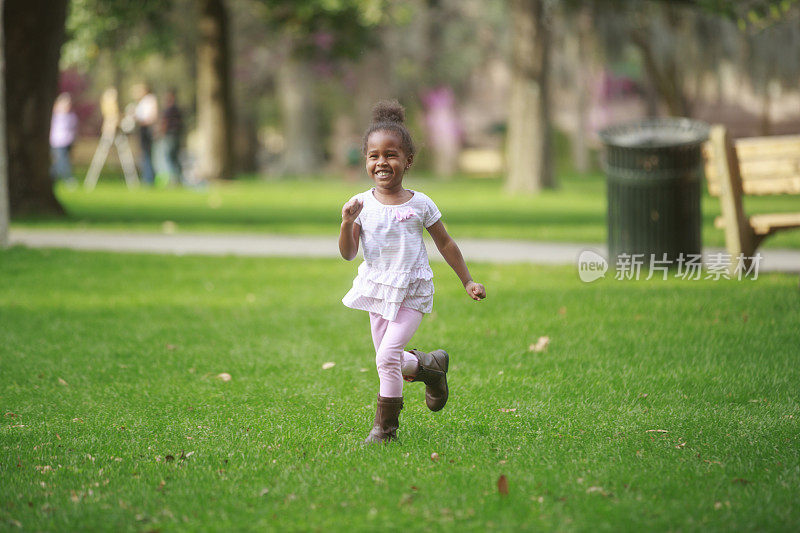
[{"x": 395, "y": 281}]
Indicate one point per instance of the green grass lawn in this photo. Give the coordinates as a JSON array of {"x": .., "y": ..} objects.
[
  {"x": 660, "y": 405},
  {"x": 576, "y": 212}
]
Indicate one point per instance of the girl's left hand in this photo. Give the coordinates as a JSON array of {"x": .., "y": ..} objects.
[{"x": 476, "y": 291}]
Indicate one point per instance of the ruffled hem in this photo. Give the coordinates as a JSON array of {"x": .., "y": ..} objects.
[
  {"x": 388, "y": 293},
  {"x": 388, "y": 310},
  {"x": 385, "y": 291},
  {"x": 394, "y": 278}
]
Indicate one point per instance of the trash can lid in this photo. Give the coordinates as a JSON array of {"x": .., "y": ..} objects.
[{"x": 656, "y": 133}]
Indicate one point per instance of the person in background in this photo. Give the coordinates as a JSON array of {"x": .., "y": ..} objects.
[
  {"x": 146, "y": 118},
  {"x": 63, "y": 130},
  {"x": 172, "y": 134}
]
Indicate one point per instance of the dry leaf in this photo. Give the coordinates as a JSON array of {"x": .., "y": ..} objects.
[
  {"x": 224, "y": 376},
  {"x": 169, "y": 458},
  {"x": 540, "y": 346},
  {"x": 562, "y": 310},
  {"x": 656, "y": 431},
  {"x": 434, "y": 456},
  {"x": 502, "y": 485},
  {"x": 505, "y": 410},
  {"x": 597, "y": 490},
  {"x": 329, "y": 364},
  {"x": 62, "y": 382}
]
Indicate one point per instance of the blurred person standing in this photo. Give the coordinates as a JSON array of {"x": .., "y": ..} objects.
[
  {"x": 146, "y": 118},
  {"x": 63, "y": 130},
  {"x": 172, "y": 135}
]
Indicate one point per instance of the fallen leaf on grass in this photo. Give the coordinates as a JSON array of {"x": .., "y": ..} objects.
[
  {"x": 502, "y": 485},
  {"x": 540, "y": 346},
  {"x": 506, "y": 410},
  {"x": 434, "y": 456},
  {"x": 169, "y": 458},
  {"x": 328, "y": 365},
  {"x": 656, "y": 431},
  {"x": 264, "y": 492},
  {"x": 224, "y": 377},
  {"x": 562, "y": 310},
  {"x": 62, "y": 382}
]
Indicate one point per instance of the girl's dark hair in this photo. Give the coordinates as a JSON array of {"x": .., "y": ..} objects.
[{"x": 389, "y": 115}]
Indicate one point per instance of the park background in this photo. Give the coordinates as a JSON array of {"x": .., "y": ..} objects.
[{"x": 657, "y": 405}]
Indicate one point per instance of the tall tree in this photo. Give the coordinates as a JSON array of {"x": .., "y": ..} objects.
[
  {"x": 214, "y": 109},
  {"x": 4, "y": 215},
  {"x": 313, "y": 33},
  {"x": 34, "y": 33},
  {"x": 529, "y": 157}
]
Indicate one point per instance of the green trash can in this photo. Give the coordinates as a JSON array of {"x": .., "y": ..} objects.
[{"x": 654, "y": 171}]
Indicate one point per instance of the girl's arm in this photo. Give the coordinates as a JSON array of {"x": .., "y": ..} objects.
[
  {"x": 449, "y": 250},
  {"x": 350, "y": 232}
]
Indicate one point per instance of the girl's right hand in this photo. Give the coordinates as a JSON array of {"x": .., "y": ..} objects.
[{"x": 351, "y": 209}]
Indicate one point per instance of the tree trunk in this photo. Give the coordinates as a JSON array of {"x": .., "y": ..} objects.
[
  {"x": 214, "y": 120},
  {"x": 303, "y": 152},
  {"x": 579, "y": 46},
  {"x": 4, "y": 216},
  {"x": 664, "y": 73},
  {"x": 528, "y": 138},
  {"x": 34, "y": 32}
]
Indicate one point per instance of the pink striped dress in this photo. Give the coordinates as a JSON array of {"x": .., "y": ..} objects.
[{"x": 395, "y": 271}]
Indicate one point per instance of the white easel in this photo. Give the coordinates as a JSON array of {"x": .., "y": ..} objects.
[{"x": 115, "y": 131}]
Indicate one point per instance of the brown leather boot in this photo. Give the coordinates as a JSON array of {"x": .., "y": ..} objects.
[
  {"x": 432, "y": 372},
  {"x": 386, "y": 420}
]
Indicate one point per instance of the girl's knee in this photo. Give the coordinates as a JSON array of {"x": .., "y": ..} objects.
[{"x": 388, "y": 360}]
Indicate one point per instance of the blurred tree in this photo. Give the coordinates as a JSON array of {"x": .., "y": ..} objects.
[
  {"x": 311, "y": 35},
  {"x": 128, "y": 31},
  {"x": 4, "y": 215},
  {"x": 758, "y": 13},
  {"x": 214, "y": 108},
  {"x": 34, "y": 33},
  {"x": 529, "y": 157}
]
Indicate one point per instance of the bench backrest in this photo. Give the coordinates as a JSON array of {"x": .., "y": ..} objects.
[{"x": 767, "y": 165}]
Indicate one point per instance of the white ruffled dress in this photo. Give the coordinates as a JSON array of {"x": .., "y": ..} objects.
[{"x": 395, "y": 271}]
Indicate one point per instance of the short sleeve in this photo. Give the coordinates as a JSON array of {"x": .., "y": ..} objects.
[{"x": 432, "y": 213}]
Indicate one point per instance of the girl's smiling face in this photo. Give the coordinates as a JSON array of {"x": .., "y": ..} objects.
[{"x": 386, "y": 160}]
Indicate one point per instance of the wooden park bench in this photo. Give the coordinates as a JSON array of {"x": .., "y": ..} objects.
[{"x": 752, "y": 166}]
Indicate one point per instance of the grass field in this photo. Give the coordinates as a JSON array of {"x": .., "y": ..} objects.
[
  {"x": 661, "y": 405},
  {"x": 576, "y": 212}
]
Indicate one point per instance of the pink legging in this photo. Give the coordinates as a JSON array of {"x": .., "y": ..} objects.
[{"x": 390, "y": 338}]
